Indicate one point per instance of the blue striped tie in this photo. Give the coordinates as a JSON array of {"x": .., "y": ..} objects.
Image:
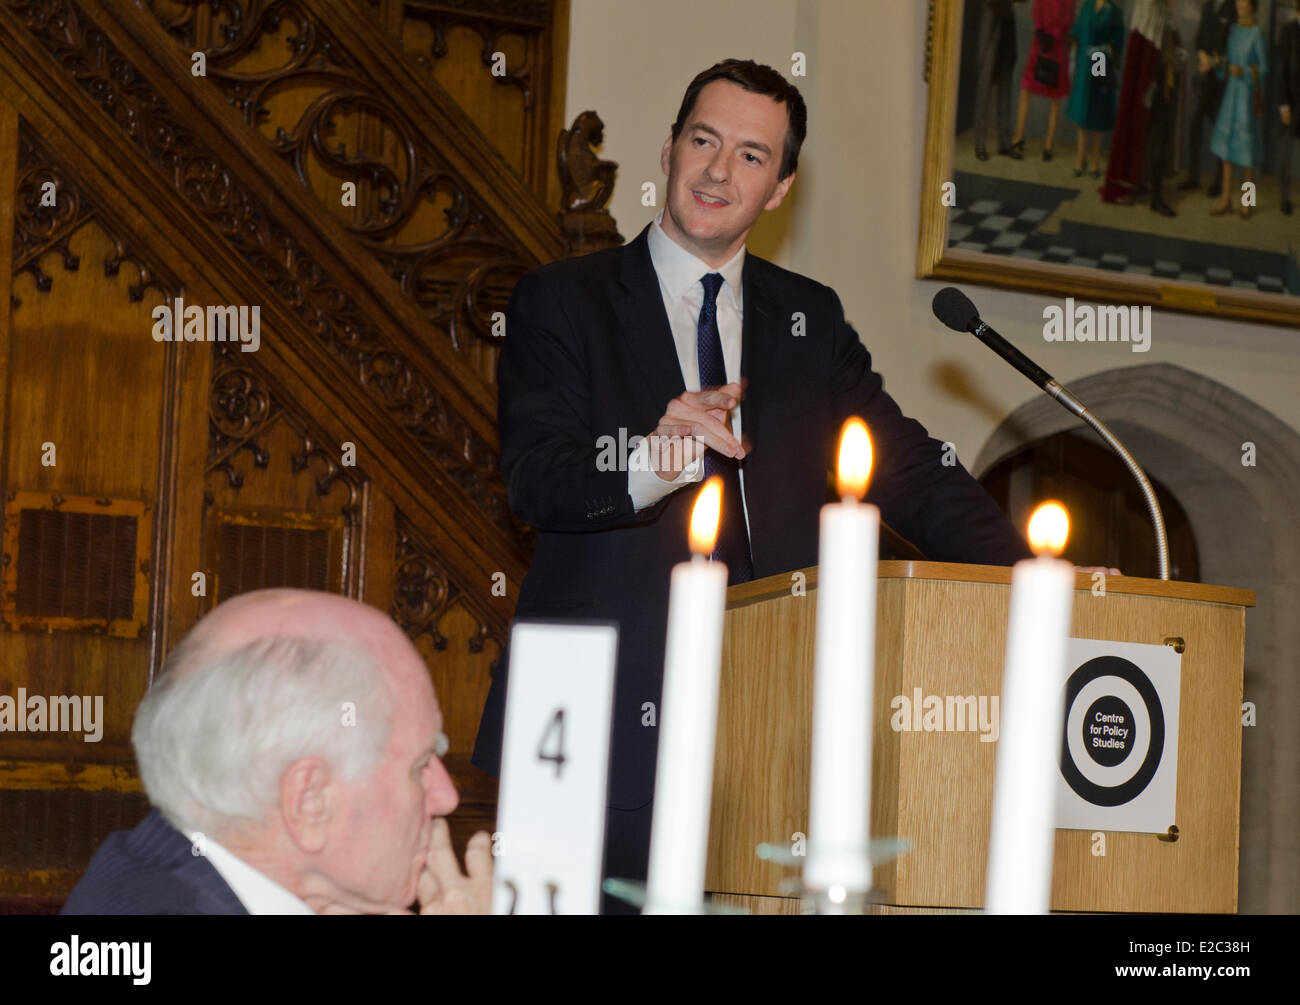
[{"x": 733, "y": 542}]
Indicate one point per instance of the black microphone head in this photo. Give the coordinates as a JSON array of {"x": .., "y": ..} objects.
[{"x": 953, "y": 308}]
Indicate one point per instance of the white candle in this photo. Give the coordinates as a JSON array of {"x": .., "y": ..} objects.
[
  {"x": 840, "y": 814},
  {"x": 688, "y": 720},
  {"x": 1023, "y": 833}
]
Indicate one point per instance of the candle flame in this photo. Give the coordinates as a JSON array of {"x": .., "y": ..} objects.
[
  {"x": 1049, "y": 527},
  {"x": 854, "y": 468},
  {"x": 705, "y": 517}
]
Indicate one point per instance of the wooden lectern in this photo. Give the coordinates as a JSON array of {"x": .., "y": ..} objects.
[{"x": 943, "y": 628}]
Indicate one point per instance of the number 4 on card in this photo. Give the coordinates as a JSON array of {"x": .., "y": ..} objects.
[{"x": 554, "y": 767}]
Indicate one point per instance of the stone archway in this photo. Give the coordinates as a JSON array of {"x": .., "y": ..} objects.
[{"x": 1188, "y": 432}]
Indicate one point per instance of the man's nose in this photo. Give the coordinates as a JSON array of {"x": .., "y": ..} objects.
[
  {"x": 717, "y": 168},
  {"x": 440, "y": 795}
]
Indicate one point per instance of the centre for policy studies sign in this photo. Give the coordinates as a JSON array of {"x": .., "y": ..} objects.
[{"x": 1119, "y": 753}]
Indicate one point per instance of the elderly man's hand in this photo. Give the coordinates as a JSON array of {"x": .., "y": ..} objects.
[{"x": 443, "y": 888}]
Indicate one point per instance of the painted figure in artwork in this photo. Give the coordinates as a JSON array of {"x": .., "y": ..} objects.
[
  {"x": 1162, "y": 108},
  {"x": 1047, "y": 71},
  {"x": 1238, "y": 133},
  {"x": 995, "y": 65},
  {"x": 1288, "y": 106},
  {"x": 1126, "y": 164},
  {"x": 1098, "y": 33},
  {"x": 1217, "y": 19}
]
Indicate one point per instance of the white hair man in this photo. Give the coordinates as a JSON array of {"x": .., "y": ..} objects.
[{"x": 291, "y": 751}]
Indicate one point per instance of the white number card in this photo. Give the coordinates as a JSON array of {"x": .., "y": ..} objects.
[{"x": 554, "y": 767}]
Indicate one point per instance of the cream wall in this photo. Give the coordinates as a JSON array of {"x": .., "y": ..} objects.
[{"x": 853, "y": 220}]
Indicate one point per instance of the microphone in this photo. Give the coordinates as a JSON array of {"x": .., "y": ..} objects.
[{"x": 954, "y": 309}]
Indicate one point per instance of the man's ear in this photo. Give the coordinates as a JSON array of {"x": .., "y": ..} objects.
[
  {"x": 306, "y": 797},
  {"x": 778, "y": 194},
  {"x": 666, "y": 154}
]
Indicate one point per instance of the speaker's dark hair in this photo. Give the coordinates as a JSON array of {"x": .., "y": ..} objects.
[{"x": 759, "y": 79}]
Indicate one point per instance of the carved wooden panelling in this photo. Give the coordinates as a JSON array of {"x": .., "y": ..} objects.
[
  {"x": 327, "y": 310},
  {"x": 423, "y": 592},
  {"x": 508, "y": 94},
  {"x": 258, "y": 551},
  {"x": 44, "y": 830},
  {"x": 280, "y": 66},
  {"x": 281, "y": 506},
  {"x": 76, "y": 563},
  {"x": 86, "y": 476},
  {"x": 50, "y": 206},
  {"x": 196, "y": 472}
]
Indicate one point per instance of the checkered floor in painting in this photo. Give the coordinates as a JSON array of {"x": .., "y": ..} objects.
[{"x": 1004, "y": 228}]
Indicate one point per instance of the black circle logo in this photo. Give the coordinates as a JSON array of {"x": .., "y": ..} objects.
[
  {"x": 1108, "y": 705},
  {"x": 1109, "y": 731}
]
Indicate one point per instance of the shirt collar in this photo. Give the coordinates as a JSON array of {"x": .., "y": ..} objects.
[
  {"x": 258, "y": 893},
  {"x": 680, "y": 271}
]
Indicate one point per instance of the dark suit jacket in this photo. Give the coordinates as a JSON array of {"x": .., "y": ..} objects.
[
  {"x": 1289, "y": 72},
  {"x": 1217, "y": 19},
  {"x": 588, "y": 350},
  {"x": 151, "y": 870}
]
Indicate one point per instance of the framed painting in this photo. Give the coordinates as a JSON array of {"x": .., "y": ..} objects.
[{"x": 1131, "y": 151}]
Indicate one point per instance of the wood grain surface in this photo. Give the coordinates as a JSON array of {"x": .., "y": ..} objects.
[{"x": 947, "y": 636}]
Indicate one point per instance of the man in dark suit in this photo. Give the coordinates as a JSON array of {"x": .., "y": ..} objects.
[
  {"x": 681, "y": 333},
  {"x": 151, "y": 869},
  {"x": 995, "y": 66},
  {"x": 1288, "y": 76},
  {"x": 279, "y": 748},
  {"x": 1217, "y": 19}
]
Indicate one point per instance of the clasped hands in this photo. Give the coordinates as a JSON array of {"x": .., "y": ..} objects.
[
  {"x": 694, "y": 421},
  {"x": 696, "y": 417}
]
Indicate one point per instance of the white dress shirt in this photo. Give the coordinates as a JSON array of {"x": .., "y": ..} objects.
[
  {"x": 256, "y": 892},
  {"x": 679, "y": 274}
]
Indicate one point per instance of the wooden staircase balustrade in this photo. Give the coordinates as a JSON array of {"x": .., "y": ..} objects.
[
  {"x": 503, "y": 62},
  {"x": 433, "y": 202},
  {"x": 360, "y": 437}
]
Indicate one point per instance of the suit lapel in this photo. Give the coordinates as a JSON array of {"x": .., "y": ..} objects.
[
  {"x": 758, "y": 330},
  {"x": 644, "y": 322}
]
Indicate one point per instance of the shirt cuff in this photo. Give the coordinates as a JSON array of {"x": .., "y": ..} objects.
[{"x": 645, "y": 487}]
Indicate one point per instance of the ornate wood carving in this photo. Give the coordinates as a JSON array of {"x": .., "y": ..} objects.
[
  {"x": 328, "y": 312},
  {"x": 243, "y": 409},
  {"x": 239, "y": 409},
  {"x": 40, "y": 227},
  {"x": 423, "y": 592},
  {"x": 457, "y": 275},
  {"x": 587, "y": 183},
  {"x": 490, "y": 21},
  {"x": 533, "y": 34},
  {"x": 517, "y": 13}
]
